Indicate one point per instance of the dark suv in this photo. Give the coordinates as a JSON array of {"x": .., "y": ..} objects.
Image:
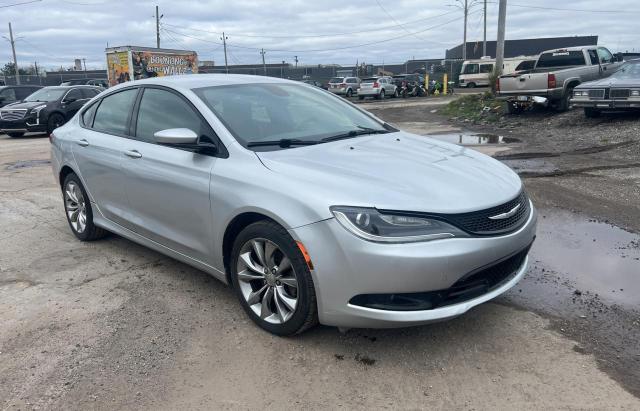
[
  {"x": 45, "y": 110},
  {"x": 11, "y": 94}
]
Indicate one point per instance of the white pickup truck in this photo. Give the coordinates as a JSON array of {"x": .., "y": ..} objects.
[{"x": 554, "y": 76}]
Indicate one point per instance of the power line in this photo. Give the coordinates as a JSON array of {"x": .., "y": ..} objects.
[
  {"x": 327, "y": 49},
  {"x": 394, "y": 19},
  {"x": 569, "y": 9},
  {"x": 20, "y": 4},
  {"x": 277, "y": 36}
]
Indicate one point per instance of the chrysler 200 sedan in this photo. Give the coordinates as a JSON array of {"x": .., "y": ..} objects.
[{"x": 311, "y": 208}]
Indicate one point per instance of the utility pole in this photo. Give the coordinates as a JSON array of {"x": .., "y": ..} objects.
[
  {"x": 296, "y": 60},
  {"x": 464, "y": 41},
  {"x": 502, "y": 18},
  {"x": 157, "y": 28},
  {"x": 264, "y": 65},
  {"x": 13, "y": 49},
  {"x": 224, "y": 43},
  {"x": 84, "y": 64},
  {"x": 484, "y": 41}
]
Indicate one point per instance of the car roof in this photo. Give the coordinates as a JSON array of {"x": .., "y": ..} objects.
[{"x": 192, "y": 81}]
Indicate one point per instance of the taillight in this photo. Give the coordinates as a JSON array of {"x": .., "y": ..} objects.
[
  {"x": 376, "y": 85},
  {"x": 551, "y": 81},
  {"x": 498, "y": 84},
  {"x": 343, "y": 84}
]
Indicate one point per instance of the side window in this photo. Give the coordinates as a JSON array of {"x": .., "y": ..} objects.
[
  {"x": 87, "y": 115},
  {"x": 161, "y": 109},
  {"x": 471, "y": 69},
  {"x": 8, "y": 95},
  {"x": 486, "y": 68},
  {"x": 112, "y": 116},
  {"x": 88, "y": 93},
  {"x": 605, "y": 55},
  {"x": 73, "y": 95},
  {"x": 593, "y": 56}
]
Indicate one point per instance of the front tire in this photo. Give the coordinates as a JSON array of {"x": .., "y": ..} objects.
[
  {"x": 55, "y": 120},
  {"x": 272, "y": 279},
  {"x": 77, "y": 207}
]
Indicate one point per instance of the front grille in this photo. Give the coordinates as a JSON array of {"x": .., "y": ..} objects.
[
  {"x": 619, "y": 93},
  {"x": 478, "y": 222},
  {"x": 12, "y": 115},
  {"x": 474, "y": 284},
  {"x": 596, "y": 94}
]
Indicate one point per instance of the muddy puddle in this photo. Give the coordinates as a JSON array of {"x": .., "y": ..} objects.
[
  {"x": 471, "y": 139},
  {"x": 28, "y": 164},
  {"x": 590, "y": 256}
]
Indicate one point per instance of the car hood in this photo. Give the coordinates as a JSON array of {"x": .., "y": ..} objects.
[
  {"x": 611, "y": 82},
  {"x": 23, "y": 105},
  {"x": 396, "y": 171}
]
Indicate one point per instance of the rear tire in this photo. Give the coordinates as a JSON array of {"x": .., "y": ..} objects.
[
  {"x": 563, "y": 104},
  {"x": 77, "y": 207},
  {"x": 275, "y": 291},
  {"x": 349, "y": 93},
  {"x": 15, "y": 135},
  {"x": 381, "y": 95},
  {"x": 471, "y": 85},
  {"x": 590, "y": 112}
]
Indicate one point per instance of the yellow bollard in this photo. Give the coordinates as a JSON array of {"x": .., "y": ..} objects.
[
  {"x": 445, "y": 84},
  {"x": 426, "y": 83}
]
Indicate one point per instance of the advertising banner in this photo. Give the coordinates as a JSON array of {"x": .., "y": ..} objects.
[
  {"x": 118, "y": 67},
  {"x": 155, "y": 64}
]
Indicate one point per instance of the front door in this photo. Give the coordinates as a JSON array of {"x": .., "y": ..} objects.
[{"x": 168, "y": 187}]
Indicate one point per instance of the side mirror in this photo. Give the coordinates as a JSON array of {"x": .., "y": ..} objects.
[{"x": 176, "y": 136}]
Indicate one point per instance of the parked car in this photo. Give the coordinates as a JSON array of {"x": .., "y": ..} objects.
[
  {"x": 313, "y": 83},
  {"x": 45, "y": 110},
  {"x": 346, "y": 86},
  {"x": 12, "y": 94},
  {"x": 97, "y": 82},
  {"x": 620, "y": 91},
  {"x": 311, "y": 208},
  {"x": 412, "y": 83},
  {"x": 556, "y": 74},
  {"x": 476, "y": 73},
  {"x": 377, "y": 87}
]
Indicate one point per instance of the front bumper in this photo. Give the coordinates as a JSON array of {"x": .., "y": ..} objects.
[
  {"x": 339, "y": 90},
  {"x": 606, "y": 104},
  {"x": 346, "y": 266},
  {"x": 30, "y": 123}
]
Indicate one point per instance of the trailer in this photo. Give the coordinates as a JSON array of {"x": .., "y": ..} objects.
[{"x": 127, "y": 63}]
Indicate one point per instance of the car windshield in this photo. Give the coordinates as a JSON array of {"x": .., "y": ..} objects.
[
  {"x": 336, "y": 80},
  {"x": 628, "y": 71},
  {"x": 47, "y": 94},
  {"x": 256, "y": 113}
]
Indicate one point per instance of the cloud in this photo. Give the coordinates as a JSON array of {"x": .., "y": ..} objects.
[{"x": 55, "y": 33}]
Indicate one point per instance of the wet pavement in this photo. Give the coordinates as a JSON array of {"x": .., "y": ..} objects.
[{"x": 473, "y": 139}]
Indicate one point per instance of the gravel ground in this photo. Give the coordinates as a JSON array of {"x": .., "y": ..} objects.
[{"x": 112, "y": 325}]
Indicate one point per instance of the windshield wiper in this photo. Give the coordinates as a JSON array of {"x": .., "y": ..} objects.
[
  {"x": 355, "y": 133},
  {"x": 284, "y": 143}
]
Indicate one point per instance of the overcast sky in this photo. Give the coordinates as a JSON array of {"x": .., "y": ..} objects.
[{"x": 54, "y": 32}]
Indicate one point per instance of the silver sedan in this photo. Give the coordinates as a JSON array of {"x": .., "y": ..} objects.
[{"x": 311, "y": 208}]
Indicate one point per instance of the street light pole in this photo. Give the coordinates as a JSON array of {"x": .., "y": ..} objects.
[
  {"x": 464, "y": 41},
  {"x": 502, "y": 18},
  {"x": 157, "y": 28},
  {"x": 484, "y": 42}
]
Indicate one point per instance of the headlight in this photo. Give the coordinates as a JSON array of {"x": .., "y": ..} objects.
[
  {"x": 370, "y": 224},
  {"x": 37, "y": 109},
  {"x": 581, "y": 93},
  {"x": 635, "y": 93}
]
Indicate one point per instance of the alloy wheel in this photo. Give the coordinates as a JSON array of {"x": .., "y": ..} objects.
[
  {"x": 75, "y": 206},
  {"x": 267, "y": 280}
]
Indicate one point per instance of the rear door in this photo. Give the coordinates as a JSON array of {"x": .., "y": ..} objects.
[
  {"x": 168, "y": 187},
  {"x": 98, "y": 152}
]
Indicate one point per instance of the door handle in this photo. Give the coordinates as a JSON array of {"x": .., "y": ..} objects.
[
  {"x": 133, "y": 153},
  {"x": 82, "y": 142}
]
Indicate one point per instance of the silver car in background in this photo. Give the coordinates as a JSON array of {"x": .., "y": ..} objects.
[
  {"x": 345, "y": 86},
  {"x": 377, "y": 87},
  {"x": 312, "y": 209}
]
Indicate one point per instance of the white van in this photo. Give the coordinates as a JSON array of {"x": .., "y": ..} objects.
[{"x": 475, "y": 73}]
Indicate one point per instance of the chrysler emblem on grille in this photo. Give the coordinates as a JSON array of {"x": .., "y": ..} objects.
[{"x": 507, "y": 214}]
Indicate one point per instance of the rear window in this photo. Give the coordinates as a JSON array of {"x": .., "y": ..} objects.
[
  {"x": 526, "y": 65},
  {"x": 336, "y": 80},
  {"x": 561, "y": 59},
  {"x": 370, "y": 80}
]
